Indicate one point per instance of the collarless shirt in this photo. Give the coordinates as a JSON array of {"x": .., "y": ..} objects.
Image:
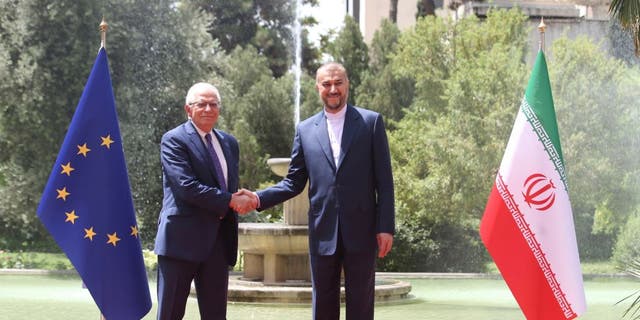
[{"x": 335, "y": 124}]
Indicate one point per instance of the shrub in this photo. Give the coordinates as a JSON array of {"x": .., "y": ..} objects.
[{"x": 628, "y": 245}]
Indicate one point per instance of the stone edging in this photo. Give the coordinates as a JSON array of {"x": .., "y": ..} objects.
[
  {"x": 456, "y": 275},
  {"x": 397, "y": 275}
]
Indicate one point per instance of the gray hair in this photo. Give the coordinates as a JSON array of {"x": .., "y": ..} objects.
[{"x": 201, "y": 85}]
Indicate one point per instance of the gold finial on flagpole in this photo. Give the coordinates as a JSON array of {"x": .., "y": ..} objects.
[
  {"x": 541, "y": 28},
  {"x": 103, "y": 33}
]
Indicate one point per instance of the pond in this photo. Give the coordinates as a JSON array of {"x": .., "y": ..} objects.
[{"x": 62, "y": 297}]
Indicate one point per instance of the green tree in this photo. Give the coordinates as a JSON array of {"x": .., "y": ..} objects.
[
  {"x": 428, "y": 65},
  {"x": 447, "y": 148},
  {"x": 621, "y": 43},
  {"x": 45, "y": 72},
  {"x": 350, "y": 49},
  {"x": 264, "y": 24},
  {"x": 598, "y": 139},
  {"x": 156, "y": 52},
  {"x": 380, "y": 89},
  {"x": 173, "y": 51},
  {"x": 262, "y": 110},
  {"x": 261, "y": 116},
  {"x": 627, "y": 12},
  {"x": 233, "y": 24}
]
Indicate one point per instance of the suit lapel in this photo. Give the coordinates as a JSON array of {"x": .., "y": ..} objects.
[
  {"x": 349, "y": 130},
  {"x": 198, "y": 145},
  {"x": 323, "y": 137},
  {"x": 203, "y": 153}
]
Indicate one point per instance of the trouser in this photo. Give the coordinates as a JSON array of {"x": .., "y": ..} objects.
[{"x": 211, "y": 278}]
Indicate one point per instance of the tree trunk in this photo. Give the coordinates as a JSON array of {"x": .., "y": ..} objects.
[
  {"x": 393, "y": 11},
  {"x": 426, "y": 7}
]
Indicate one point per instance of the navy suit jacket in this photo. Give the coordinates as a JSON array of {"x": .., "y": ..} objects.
[
  {"x": 193, "y": 203},
  {"x": 355, "y": 197}
]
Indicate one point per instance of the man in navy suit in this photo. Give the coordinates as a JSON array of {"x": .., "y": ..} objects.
[
  {"x": 197, "y": 237},
  {"x": 343, "y": 153}
]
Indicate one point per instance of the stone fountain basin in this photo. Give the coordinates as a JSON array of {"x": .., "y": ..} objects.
[
  {"x": 257, "y": 292},
  {"x": 274, "y": 253},
  {"x": 279, "y": 166},
  {"x": 277, "y": 238},
  {"x": 276, "y": 267}
]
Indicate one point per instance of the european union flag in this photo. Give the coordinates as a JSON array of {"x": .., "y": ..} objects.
[{"x": 87, "y": 205}]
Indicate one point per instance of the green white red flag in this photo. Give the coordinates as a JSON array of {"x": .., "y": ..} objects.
[{"x": 527, "y": 225}]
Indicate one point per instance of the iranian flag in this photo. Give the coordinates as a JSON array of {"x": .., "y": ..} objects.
[{"x": 527, "y": 225}]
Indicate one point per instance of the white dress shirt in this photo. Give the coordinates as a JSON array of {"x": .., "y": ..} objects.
[{"x": 335, "y": 124}]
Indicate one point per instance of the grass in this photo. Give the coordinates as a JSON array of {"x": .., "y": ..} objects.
[{"x": 62, "y": 297}]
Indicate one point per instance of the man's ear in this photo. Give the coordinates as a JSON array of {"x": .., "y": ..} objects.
[{"x": 187, "y": 110}]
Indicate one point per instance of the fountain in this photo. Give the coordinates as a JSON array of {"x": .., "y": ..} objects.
[{"x": 276, "y": 259}]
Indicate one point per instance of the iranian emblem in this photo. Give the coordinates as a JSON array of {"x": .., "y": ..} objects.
[{"x": 539, "y": 192}]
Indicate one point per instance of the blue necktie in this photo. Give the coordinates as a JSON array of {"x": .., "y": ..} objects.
[{"x": 216, "y": 162}]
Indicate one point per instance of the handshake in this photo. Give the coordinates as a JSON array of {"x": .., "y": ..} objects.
[{"x": 244, "y": 201}]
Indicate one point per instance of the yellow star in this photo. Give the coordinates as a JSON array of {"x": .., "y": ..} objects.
[
  {"x": 134, "y": 231},
  {"x": 83, "y": 150},
  {"x": 71, "y": 217},
  {"x": 62, "y": 193},
  {"x": 66, "y": 168},
  {"x": 106, "y": 141},
  {"x": 88, "y": 233},
  {"x": 113, "y": 238}
]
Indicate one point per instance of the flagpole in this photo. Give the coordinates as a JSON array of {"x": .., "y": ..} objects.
[
  {"x": 103, "y": 33},
  {"x": 541, "y": 29},
  {"x": 103, "y": 44}
]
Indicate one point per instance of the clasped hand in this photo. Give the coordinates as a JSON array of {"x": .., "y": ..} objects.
[{"x": 243, "y": 201}]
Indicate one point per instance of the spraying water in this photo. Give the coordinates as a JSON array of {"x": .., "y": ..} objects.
[{"x": 297, "y": 69}]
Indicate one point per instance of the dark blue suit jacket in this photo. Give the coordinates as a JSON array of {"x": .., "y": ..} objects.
[
  {"x": 189, "y": 221},
  {"x": 356, "y": 196}
]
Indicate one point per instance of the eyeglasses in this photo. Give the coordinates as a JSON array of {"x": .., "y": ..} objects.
[{"x": 203, "y": 105}]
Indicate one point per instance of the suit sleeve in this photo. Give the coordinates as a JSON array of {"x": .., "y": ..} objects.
[
  {"x": 292, "y": 184},
  {"x": 383, "y": 179},
  {"x": 178, "y": 166}
]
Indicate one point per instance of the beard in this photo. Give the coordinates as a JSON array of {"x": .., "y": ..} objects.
[{"x": 334, "y": 102}]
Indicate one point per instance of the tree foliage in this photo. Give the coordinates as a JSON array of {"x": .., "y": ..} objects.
[
  {"x": 449, "y": 90},
  {"x": 447, "y": 148},
  {"x": 599, "y": 139},
  {"x": 381, "y": 90},
  {"x": 42, "y": 69},
  {"x": 627, "y": 12},
  {"x": 264, "y": 24},
  {"x": 174, "y": 51},
  {"x": 261, "y": 112},
  {"x": 48, "y": 71},
  {"x": 622, "y": 46}
]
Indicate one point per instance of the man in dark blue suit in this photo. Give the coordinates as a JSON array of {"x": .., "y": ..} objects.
[
  {"x": 197, "y": 237},
  {"x": 343, "y": 153}
]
